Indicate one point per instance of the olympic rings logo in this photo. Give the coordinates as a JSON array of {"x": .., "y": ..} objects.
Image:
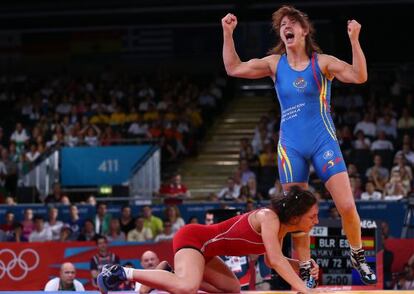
[{"x": 18, "y": 261}]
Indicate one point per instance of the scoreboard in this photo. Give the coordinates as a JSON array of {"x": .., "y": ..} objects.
[{"x": 330, "y": 249}]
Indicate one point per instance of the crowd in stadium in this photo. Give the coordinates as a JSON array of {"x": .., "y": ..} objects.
[{"x": 374, "y": 127}]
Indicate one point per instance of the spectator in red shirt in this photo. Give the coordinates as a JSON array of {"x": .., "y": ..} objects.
[{"x": 175, "y": 189}]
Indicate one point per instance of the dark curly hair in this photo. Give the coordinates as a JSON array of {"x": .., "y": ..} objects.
[{"x": 294, "y": 203}]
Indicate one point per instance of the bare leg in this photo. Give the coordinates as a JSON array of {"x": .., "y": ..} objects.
[
  {"x": 218, "y": 278},
  {"x": 189, "y": 270},
  {"x": 340, "y": 189}
]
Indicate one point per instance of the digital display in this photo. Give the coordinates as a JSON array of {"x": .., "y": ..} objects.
[{"x": 330, "y": 249}]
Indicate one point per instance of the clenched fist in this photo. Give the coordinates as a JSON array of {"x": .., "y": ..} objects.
[
  {"x": 229, "y": 23},
  {"x": 353, "y": 29}
]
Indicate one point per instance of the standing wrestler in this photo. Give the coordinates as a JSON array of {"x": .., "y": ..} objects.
[
  {"x": 197, "y": 247},
  {"x": 302, "y": 76}
]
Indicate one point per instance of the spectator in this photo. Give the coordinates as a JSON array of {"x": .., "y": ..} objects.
[
  {"x": 370, "y": 193},
  {"x": 250, "y": 206},
  {"x": 356, "y": 187},
  {"x": 66, "y": 280},
  {"x": 17, "y": 234},
  {"x": 268, "y": 157},
  {"x": 252, "y": 191},
  {"x": 231, "y": 192},
  {"x": 91, "y": 200},
  {"x": 172, "y": 214},
  {"x": 388, "y": 125},
  {"x": 10, "y": 201},
  {"x": 102, "y": 219},
  {"x": 65, "y": 233},
  {"x": 27, "y": 223},
  {"x": 104, "y": 256},
  {"x": 333, "y": 213},
  {"x": 19, "y": 137},
  {"x": 406, "y": 121},
  {"x": 140, "y": 233},
  {"x": 152, "y": 222},
  {"x": 361, "y": 142},
  {"x": 166, "y": 234},
  {"x": 88, "y": 231},
  {"x": 382, "y": 143},
  {"x": 175, "y": 188},
  {"x": 244, "y": 173},
  {"x": 276, "y": 189},
  {"x": 75, "y": 222},
  {"x": 407, "y": 153},
  {"x": 8, "y": 225},
  {"x": 366, "y": 126},
  {"x": 127, "y": 221},
  {"x": 394, "y": 189},
  {"x": 53, "y": 223},
  {"x": 209, "y": 218},
  {"x": 405, "y": 172},
  {"x": 405, "y": 279},
  {"x": 65, "y": 200},
  {"x": 193, "y": 220},
  {"x": 150, "y": 260},
  {"x": 40, "y": 232},
  {"x": 115, "y": 233},
  {"x": 56, "y": 195},
  {"x": 378, "y": 174}
]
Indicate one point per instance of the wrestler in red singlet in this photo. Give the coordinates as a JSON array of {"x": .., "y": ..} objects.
[{"x": 234, "y": 236}]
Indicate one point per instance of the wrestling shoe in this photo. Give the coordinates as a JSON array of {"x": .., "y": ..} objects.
[
  {"x": 304, "y": 273},
  {"x": 110, "y": 277},
  {"x": 368, "y": 277}
]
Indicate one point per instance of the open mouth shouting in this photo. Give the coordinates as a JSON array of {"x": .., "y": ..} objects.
[{"x": 289, "y": 36}]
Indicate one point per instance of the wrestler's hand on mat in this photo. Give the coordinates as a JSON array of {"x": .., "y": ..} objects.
[
  {"x": 229, "y": 23},
  {"x": 314, "y": 272}
]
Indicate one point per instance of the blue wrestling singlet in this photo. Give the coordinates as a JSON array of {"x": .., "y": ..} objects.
[{"x": 307, "y": 132}]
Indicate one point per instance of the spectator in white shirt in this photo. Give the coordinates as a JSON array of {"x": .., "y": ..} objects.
[
  {"x": 370, "y": 193},
  {"x": 361, "y": 142},
  {"x": 231, "y": 192},
  {"x": 166, "y": 234},
  {"x": 406, "y": 153},
  {"x": 32, "y": 154},
  {"x": 40, "y": 232},
  {"x": 19, "y": 136},
  {"x": 54, "y": 224},
  {"x": 382, "y": 143},
  {"x": 66, "y": 280},
  {"x": 140, "y": 233},
  {"x": 366, "y": 126}
]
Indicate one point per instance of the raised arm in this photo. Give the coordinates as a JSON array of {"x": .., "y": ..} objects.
[
  {"x": 350, "y": 73},
  {"x": 252, "y": 69},
  {"x": 270, "y": 225}
]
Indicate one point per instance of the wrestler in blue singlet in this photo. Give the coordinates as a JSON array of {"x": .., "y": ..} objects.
[{"x": 307, "y": 132}]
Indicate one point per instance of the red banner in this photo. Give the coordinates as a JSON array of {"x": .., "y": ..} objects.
[
  {"x": 28, "y": 266},
  {"x": 402, "y": 249}
]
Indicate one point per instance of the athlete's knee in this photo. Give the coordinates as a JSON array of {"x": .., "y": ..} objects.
[
  {"x": 348, "y": 210},
  {"x": 186, "y": 288},
  {"x": 235, "y": 287}
]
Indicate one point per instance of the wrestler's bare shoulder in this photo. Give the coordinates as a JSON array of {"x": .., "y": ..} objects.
[
  {"x": 265, "y": 213},
  {"x": 272, "y": 61}
]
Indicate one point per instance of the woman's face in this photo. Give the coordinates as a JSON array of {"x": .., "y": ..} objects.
[
  {"x": 309, "y": 219},
  {"x": 291, "y": 32}
]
